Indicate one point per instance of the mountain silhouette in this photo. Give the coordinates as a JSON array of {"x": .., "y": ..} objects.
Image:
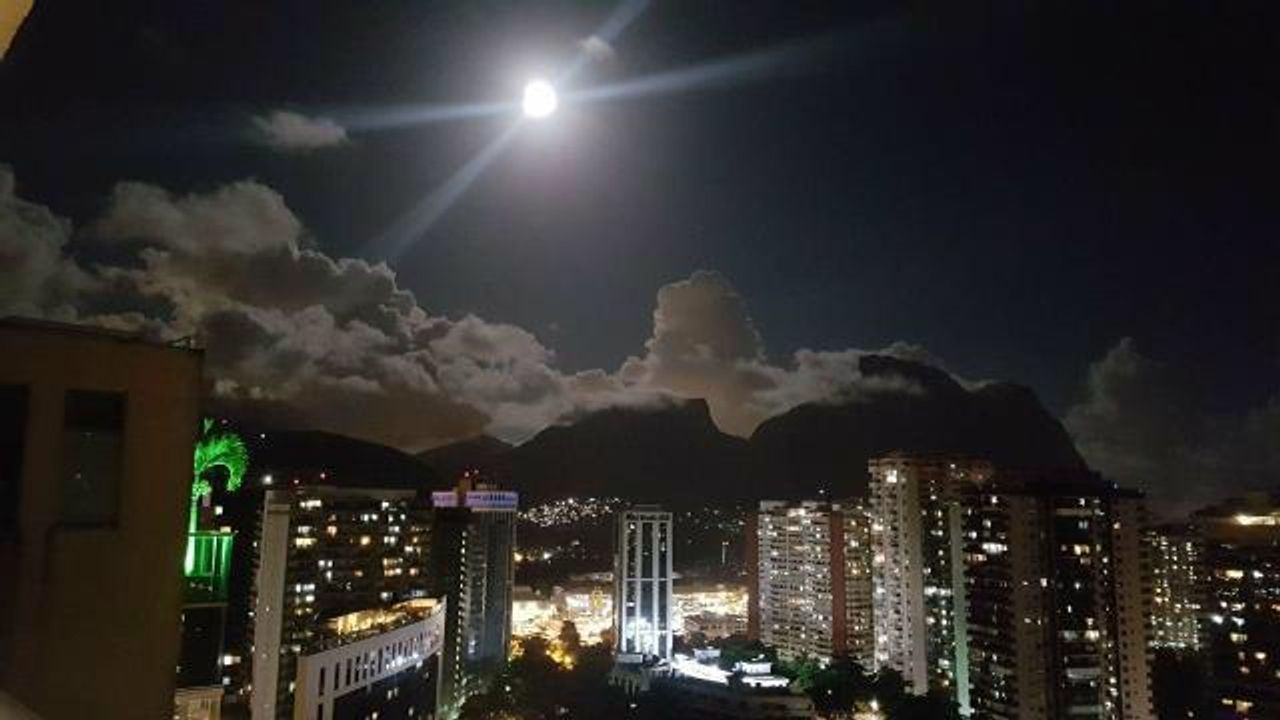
[{"x": 676, "y": 455}]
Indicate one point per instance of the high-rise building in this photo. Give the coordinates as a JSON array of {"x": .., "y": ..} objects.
[
  {"x": 473, "y": 566},
  {"x": 202, "y": 702},
  {"x": 1058, "y": 595},
  {"x": 279, "y": 461},
  {"x": 642, "y": 596},
  {"x": 96, "y": 433},
  {"x": 1242, "y": 560},
  {"x": 1178, "y": 585},
  {"x": 809, "y": 567},
  {"x": 206, "y": 574},
  {"x": 917, "y": 567},
  {"x": 373, "y": 663},
  {"x": 326, "y": 551},
  {"x": 199, "y": 691}
]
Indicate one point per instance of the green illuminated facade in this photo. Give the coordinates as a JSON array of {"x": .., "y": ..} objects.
[
  {"x": 210, "y": 566},
  {"x": 207, "y": 565},
  {"x": 209, "y": 553}
]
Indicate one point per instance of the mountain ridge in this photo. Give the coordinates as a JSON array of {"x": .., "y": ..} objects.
[{"x": 675, "y": 454}]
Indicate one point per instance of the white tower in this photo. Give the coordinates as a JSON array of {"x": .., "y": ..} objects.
[{"x": 642, "y": 602}]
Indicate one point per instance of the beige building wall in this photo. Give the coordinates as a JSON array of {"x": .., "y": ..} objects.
[
  {"x": 859, "y": 625},
  {"x": 918, "y": 602},
  {"x": 1030, "y": 660},
  {"x": 89, "y": 612},
  {"x": 1132, "y": 572},
  {"x": 796, "y": 580}
]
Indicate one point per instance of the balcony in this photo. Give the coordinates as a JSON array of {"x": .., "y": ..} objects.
[{"x": 208, "y": 566}]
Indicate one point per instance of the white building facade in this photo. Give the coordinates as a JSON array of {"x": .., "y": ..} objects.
[
  {"x": 810, "y": 571},
  {"x": 367, "y": 665},
  {"x": 643, "y": 606},
  {"x": 918, "y": 596},
  {"x": 321, "y": 551}
]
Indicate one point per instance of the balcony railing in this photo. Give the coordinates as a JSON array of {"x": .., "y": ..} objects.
[{"x": 208, "y": 567}]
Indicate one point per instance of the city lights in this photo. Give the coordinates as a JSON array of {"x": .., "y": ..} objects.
[
  {"x": 1252, "y": 520},
  {"x": 629, "y": 359},
  {"x": 569, "y": 511}
]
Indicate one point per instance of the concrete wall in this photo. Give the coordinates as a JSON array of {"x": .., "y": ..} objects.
[{"x": 89, "y": 617}]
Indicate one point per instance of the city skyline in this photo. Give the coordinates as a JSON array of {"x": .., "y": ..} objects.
[
  {"x": 279, "y": 184},
  {"x": 639, "y": 359},
  {"x": 974, "y": 589}
]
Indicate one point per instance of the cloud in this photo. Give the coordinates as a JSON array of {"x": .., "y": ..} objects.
[
  {"x": 1140, "y": 425},
  {"x": 289, "y": 330},
  {"x": 299, "y": 337},
  {"x": 35, "y": 275},
  {"x": 290, "y": 131},
  {"x": 296, "y": 336},
  {"x": 597, "y": 49},
  {"x": 705, "y": 345}
]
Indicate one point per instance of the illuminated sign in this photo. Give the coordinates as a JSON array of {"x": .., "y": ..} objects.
[
  {"x": 476, "y": 499},
  {"x": 445, "y": 498},
  {"x": 492, "y": 499}
]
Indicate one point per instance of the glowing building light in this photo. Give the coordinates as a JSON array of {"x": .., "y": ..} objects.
[
  {"x": 215, "y": 449},
  {"x": 1243, "y": 519}
]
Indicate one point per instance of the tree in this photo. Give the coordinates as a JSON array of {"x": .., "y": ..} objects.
[
  {"x": 569, "y": 638},
  {"x": 840, "y": 687},
  {"x": 737, "y": 648},
  {"x": 216, "y": 450},
  {"x": 607, "y": 637},
  {"x": 934, "y": 706},
  {"x": 534, "y": 687},
  {"x": 803, "y": 672},
  {"x": 888, "y": 684}
]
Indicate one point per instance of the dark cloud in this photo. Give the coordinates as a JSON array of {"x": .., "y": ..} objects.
[
  {"x": 1143, "y": 426},
  {"x": 38, "y": 278},
  {"x": 335, "y": 340},
  {"x": 296, "y": 336}
]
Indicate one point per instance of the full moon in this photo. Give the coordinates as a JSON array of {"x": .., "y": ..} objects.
[{"x": 539, "y": 99}]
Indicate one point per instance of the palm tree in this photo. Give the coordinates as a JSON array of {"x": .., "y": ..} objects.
[{"x": 215, "y": 449}]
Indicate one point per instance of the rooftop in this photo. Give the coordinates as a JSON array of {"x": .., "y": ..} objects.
[
  {"x": 353, "y": 626},
  {"x": 94, "y": 332}
]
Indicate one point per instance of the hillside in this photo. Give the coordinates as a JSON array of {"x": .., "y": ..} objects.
[{"x": 677, "y": 455}]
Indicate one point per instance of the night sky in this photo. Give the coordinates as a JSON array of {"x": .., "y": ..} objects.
[{"x": 1015, "y": 187}]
